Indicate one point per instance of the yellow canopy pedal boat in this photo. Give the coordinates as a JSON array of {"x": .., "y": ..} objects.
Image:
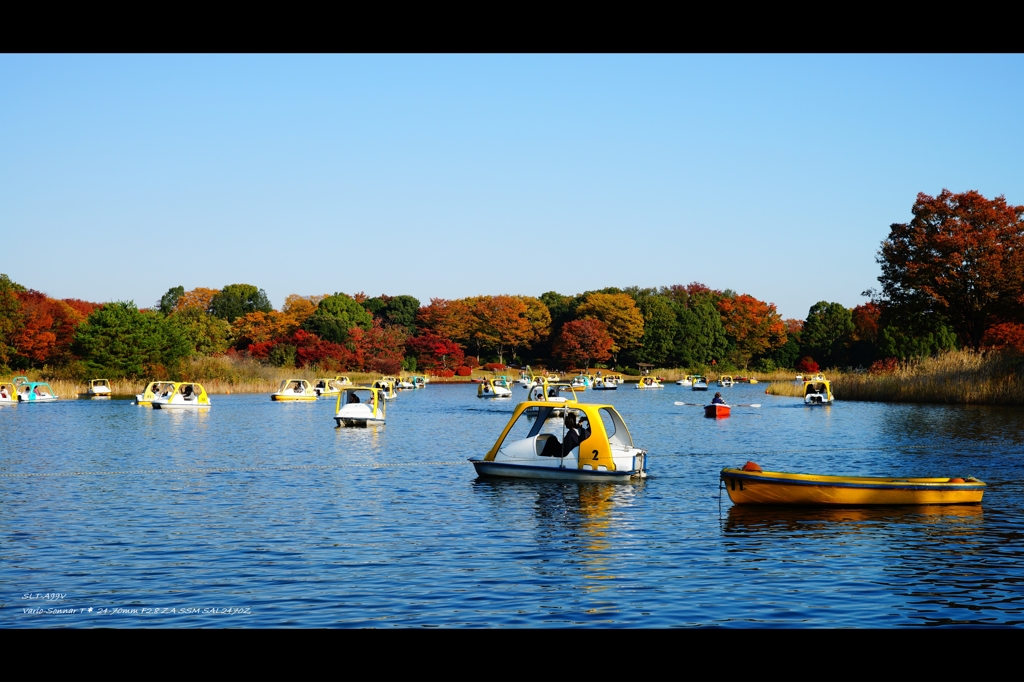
[
  {"x": 99, "y": 388},
  {"x": 360, "y": 406},
  {"x": 183, "y": 395},
  {"x": 750, "y": 485},
  {"x": 153, "y": 390},
  {"x": 564, "y": 441},
  {"x": 292, "y": 390}
]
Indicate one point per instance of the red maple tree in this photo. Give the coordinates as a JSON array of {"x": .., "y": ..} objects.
[
  {"x": 962, "y": 256},
  {"x": 582, "y": 341}
]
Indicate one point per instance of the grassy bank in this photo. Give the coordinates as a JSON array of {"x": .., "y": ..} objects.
[
  {"x": 223, "y": 375},
  {"x": 959, "y": 377}
]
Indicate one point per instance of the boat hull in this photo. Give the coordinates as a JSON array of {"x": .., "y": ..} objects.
[
  {"x": 292, "y": 398},
  {"x": 181, "y": 406},
  {"x": 506, "y": 470},
  {"x": 714, "y": 411},
  {"x": 342, "y": 421},
  {"x": 769, "y": 487}
]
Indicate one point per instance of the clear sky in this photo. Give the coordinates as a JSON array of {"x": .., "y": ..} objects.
[{"x": 450, "y": 176}]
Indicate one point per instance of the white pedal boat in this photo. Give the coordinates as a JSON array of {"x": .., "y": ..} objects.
[
  {"x": 685, "y": 381},
  {"x": 700, "y": 384},
  {"x": 154, "y": 389},
  {"x": 35, "y": 392},
  {"x": 99, "y": 388},
  {"x": 601, "y": 384},
  {"x": 8, "y": 393},
  {"x": 183, "y": 395},
  {"x": 387, "y": 388},
  {"x": 360, "y": 406},
  {"x": 532, "y": 446},
  {"x": 493, "y": 388},
  {"x": 649, "y": 382},
  {"x": 818, "y": 392},
  {"x": 294, "y": 390}
]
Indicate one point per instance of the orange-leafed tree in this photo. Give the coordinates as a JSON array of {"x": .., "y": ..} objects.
[
  {"x": 502, "y": 323},
  {"x": 753, "y": 326},
  {"x": 1005, "y": 335},
  {"x": 199, "y": 297},
  {"x": 622, "y": 318},
  {"x": 583, "y": 341},
  {"x": 381, "y": 348},
  {"x": 961, "y": 257},
  {"x": 435, "y": 352},
  {"x": 47, "y": 328},
  {"x": 866, "y": 322},
  {"x": 301, "y": 307},
  {"x": 452, "y": 319},
  {"x": 260, "y": 327}
]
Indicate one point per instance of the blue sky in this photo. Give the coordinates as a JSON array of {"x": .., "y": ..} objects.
[{"x": 450, "y": 176}]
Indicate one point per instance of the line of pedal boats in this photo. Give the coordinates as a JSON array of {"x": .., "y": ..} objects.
[{"x": 554, "y": 435}]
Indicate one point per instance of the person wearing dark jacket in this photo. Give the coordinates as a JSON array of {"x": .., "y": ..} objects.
[
  {"x": 718, "y": 399},
  {"x": 574, "y": 434}
]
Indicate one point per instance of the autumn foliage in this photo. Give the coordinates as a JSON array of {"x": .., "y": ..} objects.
[
  {"x": 584, "y": 341},
  {"x": 962, "y": 258}
]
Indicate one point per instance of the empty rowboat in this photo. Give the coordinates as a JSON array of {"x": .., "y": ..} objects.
[{"x": 750, "y": 485}]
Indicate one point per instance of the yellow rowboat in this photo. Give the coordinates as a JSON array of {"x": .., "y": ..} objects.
[{"x": 751, "y": 485}]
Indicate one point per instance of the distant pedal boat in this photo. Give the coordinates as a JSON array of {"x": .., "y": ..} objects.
[
  {"x": 360, "y": 406},
  {"x": 818, "y": 392},
  {"x": 183, "y": 395},
  {"x": 35, "y": 392},
  {"x": 493, "y": 388},
  {"x": 649, "y": 382},
  {"x": 294, "y": 390},
  {"x": 154, "y": 389},
  {"x": 99, "y": 388},
  {"x": 8, "y": 393},
  {"x": 699, "y": 384},
  {"x": 750, "y": 485}
]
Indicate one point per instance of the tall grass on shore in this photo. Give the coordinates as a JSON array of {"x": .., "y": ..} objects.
[
  {"x": 219, "y": 375},
  {"x": 957, "y": 377}
]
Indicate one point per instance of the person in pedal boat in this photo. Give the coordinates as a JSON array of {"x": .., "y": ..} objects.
[
  {"x": 718, "y": 399},
  {"x": 574, "y": 435}
]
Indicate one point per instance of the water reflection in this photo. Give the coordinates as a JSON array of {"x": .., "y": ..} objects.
[
  {"x": 752, "y": 519},
  {"x": 421, "y": 543}
]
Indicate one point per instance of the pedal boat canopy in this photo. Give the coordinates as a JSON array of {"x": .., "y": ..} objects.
[
  {"x": 294, "y": 390},
  {"x": 153, "y": 390},
  {"x": 99, "y": 387},
  {"x": 493, "y": 388},
  {"x": 35, "y": 392},
  {"x": 553, "y": 393},
  {"x": 532, "y": 446},
  {"x": 750, "y": 485},
  {"x": 183, "y": 395},
  {"x": 818, "y": 392},
  {"x": 360, "y": 406},
  {"x": 8, "y": 393}
]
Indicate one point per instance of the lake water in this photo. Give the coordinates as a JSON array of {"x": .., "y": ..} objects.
[{"x": 264, "y": 514}]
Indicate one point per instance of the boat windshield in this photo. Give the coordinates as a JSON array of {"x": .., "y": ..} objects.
[{"x": 616, "y": 429}]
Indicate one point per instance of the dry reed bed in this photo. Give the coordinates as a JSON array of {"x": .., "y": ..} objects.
[{"x": 959, "y": 377}]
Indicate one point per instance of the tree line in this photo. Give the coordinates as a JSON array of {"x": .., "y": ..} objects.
[{"x": 953, "y": 277}]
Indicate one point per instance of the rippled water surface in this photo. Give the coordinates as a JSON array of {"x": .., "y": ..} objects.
[{"x": 263, "y": 514}]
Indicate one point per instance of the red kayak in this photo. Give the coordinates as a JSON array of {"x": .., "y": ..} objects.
[{"x": 714, "y": 410}]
